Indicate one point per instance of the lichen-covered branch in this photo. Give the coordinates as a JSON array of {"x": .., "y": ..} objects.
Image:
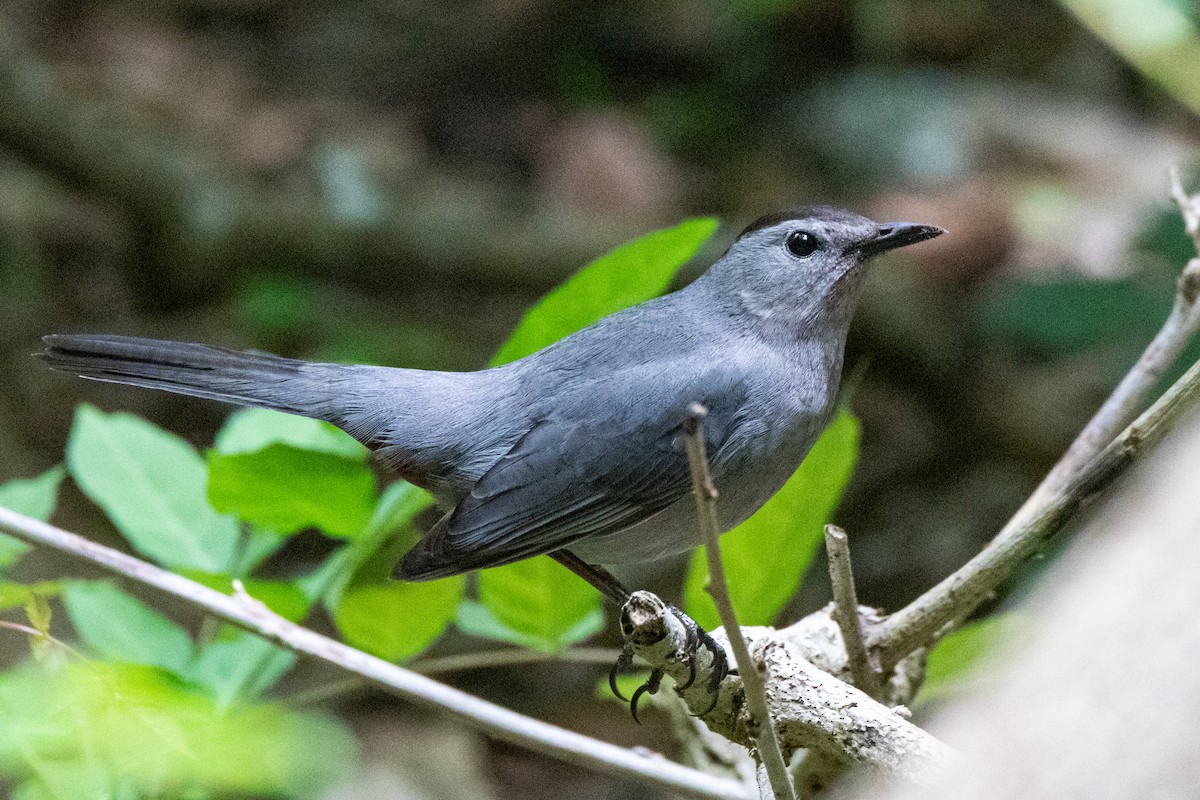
[{"x": 811, "y": 708}]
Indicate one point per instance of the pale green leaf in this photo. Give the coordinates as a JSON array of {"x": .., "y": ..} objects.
[
  {"x": 397, "y": 620},
  {"x": 541, "y": 599},
  {"x": 33, "y": 497},
  {"x": 632, "y": 273},
  {"x": 95, "y": 729},
  {"x": 285, "y": 598},
  {"x": 766, "y": 556},
  {"x": 956, "y": 656},
  {"x": 151, "y": 484},
  {"x": 253, "y": 429},
  {"x": 283, "y": 488},
  {"x": 122, "y": 628},
  {"x": 475, "y": 619},
  {"x": 238, "y": 666}
]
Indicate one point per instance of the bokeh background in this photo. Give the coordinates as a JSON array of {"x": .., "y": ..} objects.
[{"x": 395, "y": 182}]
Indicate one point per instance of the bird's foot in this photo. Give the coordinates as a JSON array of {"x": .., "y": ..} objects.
[{"x": 696, "y": 638}]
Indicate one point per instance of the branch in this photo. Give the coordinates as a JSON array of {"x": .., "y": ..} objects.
[
  {"x": 957, "y": 596},
  {"x": 1130, "y": 395},
  {"x": 501, "y": 723},
  {"x": 811, "y": 708},
  {"x": 1087, "y": 467},
  {"x": 765, "y": 737},
  {"x": 845, "y": 612}
]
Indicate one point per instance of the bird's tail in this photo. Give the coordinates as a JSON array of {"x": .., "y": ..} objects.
[{"x": 244, "y": 378}]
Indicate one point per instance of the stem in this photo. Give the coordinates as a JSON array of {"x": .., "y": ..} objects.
[
  {"x": 752, "y": 679},
  {"x": 845, "y": 612},
  {"x": 503, "y": 724},
  {"x": 921, "y": 622},
  {"x": 1093, "y": 460}
]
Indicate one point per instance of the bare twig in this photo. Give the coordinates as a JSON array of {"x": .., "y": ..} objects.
[
  {"x": 765, "y": 738},
  {"x": 1130, "y": 395},
  {"x": 1093, "y": 460},
  {"x": 921, "y": 622},
  {"x": 503, "y": 724},
  {"x": 811, "y": 708},
  {"x": 845, "y": 612},
  {"x": 1189, "y": 207}
]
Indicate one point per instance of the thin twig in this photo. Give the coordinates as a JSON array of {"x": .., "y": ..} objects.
[
  {"x": 1189, "y": 207},
  {"x": 921, "y": 622},
  {"x": 845, "y": 612},
  {"x": 501, "y": 723},
  {"x": 752, "y": 679},
  {"x": 1128, "y": 398},
  {"x": 1059, "y": 494}
]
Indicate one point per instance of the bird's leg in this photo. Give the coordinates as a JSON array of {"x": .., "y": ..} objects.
[
  {"x": 697, "y": 637},
  {"x": 599, "y": 577}
]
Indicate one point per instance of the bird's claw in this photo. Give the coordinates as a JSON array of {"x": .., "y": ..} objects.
[
  {"x": 651, "y": 686},
  {"x": 624, "y": 661},
  {"x": 696, "y": 638}
]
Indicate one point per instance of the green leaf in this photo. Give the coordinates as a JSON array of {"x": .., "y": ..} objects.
[
  {"x": 630, "y": 274},
  {"x": 33, "y": 497},
  {"x": 284, "y": 488},
  {"x": 953, "y": 658},
  {"x": 397, "y": 620},
  {"x": 238, "y": 666},
  {"x": 120, "y": 627},
  {"x": 475, "y": 619},
  {"x": 150, "y": 483},
  {"x": 542, "y": 600},
  {"x": 122, "y": 732},
  {"x": 371, "y": 557},
  {"x": 254, "y": 429},
  {"x": 766, "y": 556},
  {"x": 13, "y": 595},
  {"x": 37, "y": 608}
]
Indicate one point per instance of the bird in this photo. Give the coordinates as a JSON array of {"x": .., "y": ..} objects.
[{"x": 577, "y": 450}]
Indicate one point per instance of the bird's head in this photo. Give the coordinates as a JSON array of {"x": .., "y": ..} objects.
[{"x": 799, "y": 266}]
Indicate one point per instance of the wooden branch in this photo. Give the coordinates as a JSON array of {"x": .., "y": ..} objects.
[
  {"x": 865, "y": 675},
  {"x": 501, "y": 723},
  {"x": 1090, "y": 464},
  {"x": 765, "y": 738},
  {"x": 811, "y": 708},
  {"x": 921, "y": 622}
]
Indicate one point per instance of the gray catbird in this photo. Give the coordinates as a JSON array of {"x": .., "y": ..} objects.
[{"x": 577, "y": 449}]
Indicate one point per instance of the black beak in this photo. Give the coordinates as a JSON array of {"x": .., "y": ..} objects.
[{"x": 896, "y": 234}]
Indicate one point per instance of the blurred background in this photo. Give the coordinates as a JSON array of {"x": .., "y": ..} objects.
[{"x": 395, "y": 182}]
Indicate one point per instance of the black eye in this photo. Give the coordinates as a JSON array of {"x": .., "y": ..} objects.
[{"x": 802, "y": 243}]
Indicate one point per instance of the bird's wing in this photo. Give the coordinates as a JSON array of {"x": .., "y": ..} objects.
[{"x": 592, "y": 472}]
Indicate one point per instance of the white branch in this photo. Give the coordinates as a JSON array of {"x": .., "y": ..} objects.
[{"x": 811, "y": 708}]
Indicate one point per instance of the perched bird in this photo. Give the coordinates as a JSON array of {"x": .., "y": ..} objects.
[{"x": 577, "y": 450}]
